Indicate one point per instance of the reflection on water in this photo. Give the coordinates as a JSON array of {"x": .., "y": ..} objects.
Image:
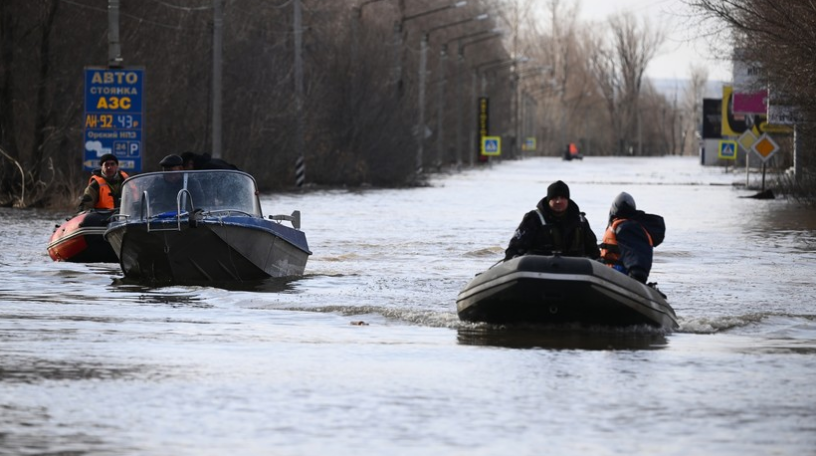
[
  {"x": 563, "y": 338},
  {"x": 38, "y": 370},
  {"x": 271, "y": 285}
]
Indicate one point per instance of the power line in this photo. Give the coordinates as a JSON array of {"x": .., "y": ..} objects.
[
  {"x": 131, "y": 16},
  {"x": 182, "y": 8}
]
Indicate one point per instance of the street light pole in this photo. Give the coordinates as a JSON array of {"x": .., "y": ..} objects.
[
  {"x": 494, "y": 33},
  {"x": 420, "y": 128},
  {"x": 300, "y": 164},
  {"x": 356, "y": 19},
  {"x": 477, "y": 71},
  {"x": 423, "y": 57},
  {"x": 114, "y": 46},
  {"x": 443, "y": 57},
  {"x": 458, "y": 78},
  {"x": 398, "y": 29},
  {"x": 218, "y": 25},
  {"x": 440, "y": 113}
]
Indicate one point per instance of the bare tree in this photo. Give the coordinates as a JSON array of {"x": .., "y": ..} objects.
[
  {"x": 635, "y": 45},
  {"x": 691, "y": 109}
]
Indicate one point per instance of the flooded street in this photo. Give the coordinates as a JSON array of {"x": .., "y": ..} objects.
[{"x": 365, "y": 355}]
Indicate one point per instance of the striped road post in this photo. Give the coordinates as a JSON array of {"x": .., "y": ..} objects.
[{"x": 300, "y": 172}]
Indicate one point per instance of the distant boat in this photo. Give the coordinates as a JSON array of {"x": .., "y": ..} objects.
[
  {"x": 80, "y": 239},
  {"x": 536, "y": 289},
  {"x": 203, "y": 226}
]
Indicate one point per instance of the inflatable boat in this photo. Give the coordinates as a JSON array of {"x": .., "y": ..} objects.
[{"x": 536, "y": 289}]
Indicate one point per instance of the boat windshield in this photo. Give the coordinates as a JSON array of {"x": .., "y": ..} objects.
[{"x": 158, "y": 193}]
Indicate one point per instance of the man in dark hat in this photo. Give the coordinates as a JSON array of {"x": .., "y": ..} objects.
[
  {"x": 104, "y": 190},
  {"x": 165, "y": 193},
  {"x": 557, "y": 225},
  {"x": 172, "y": 162}
]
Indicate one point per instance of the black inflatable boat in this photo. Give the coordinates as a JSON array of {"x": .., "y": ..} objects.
[{"x": 560, "y": 290}]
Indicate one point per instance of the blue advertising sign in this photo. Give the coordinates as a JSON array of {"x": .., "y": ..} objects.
[{"x": 113, "y": 119}]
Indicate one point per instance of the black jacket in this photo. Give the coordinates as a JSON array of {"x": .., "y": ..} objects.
[{"x": 568, "y": 235}]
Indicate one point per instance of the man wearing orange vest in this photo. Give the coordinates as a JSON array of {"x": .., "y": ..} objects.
[
  {"x": 630, "y": 238},
  {"x": 104, "y": 189}
]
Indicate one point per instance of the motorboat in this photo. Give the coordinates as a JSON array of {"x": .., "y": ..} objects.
[
  {"x": 80, "y": 239},
  {"x": 201, "y": 227},
  {"x": 534, "y": 289}
]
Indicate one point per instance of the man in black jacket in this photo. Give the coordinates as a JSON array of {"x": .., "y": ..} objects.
[{"x": 557, "y": 225}]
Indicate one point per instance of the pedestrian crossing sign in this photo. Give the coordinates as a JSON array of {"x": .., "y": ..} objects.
[
  {"x": 728, "y": 150},
  {"x": 491, "y": 145}
]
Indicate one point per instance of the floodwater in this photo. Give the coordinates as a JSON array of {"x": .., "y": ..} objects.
[{"x": 365, "y": 354}]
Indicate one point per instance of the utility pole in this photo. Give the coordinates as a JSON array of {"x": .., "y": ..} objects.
[
  {"x": 114, "y": 47},
  {"x": 218, "y": 26},
  {"x": 440, "y": 114},
  {"x": 300, "y": 164},
  {"x": 423, "y": 57},
  {"x": 420, "y": 133}
]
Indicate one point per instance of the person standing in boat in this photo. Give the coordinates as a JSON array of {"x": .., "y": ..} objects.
[
  {"x": 557, "y": 225},
  {"x": 630, "y": 238},
  {"x": 104, "y": 190}
]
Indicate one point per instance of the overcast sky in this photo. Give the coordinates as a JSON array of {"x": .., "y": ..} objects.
[{"x": 684, "y": 42}]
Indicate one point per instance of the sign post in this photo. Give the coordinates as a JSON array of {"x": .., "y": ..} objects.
[
  {"x": 765, "y": 147},
  {"x": 483, "y": 127},
  {"x": 727, "y": 151},
  {"x": 114, "y": 117}
]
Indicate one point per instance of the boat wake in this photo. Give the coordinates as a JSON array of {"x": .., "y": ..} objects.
[{"x": 755, "y": 321}]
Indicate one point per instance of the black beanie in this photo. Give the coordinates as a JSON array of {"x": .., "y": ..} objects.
[
  {"x": 107, "y": 157},
  {"x": 557, "y": 188}
]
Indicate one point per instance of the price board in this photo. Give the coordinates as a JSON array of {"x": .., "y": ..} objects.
[{"x": 114, "y": 117}]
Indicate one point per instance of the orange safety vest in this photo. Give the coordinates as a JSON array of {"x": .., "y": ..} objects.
[
  {"x": 106, "y": 199},
  {"x": 610, "y": 252}
]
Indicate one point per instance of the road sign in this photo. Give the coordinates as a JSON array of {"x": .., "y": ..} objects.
[
  {"x": 114, "y": 117},
  {"x": 491, "y": 145},
  {"x": 529, "y": 144},
  {"x": 765, "y": 147},
  {"x": 783, "y": 115},
  {"x": 728, "y": 150},
  {"x": 747, "y": 140}
]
